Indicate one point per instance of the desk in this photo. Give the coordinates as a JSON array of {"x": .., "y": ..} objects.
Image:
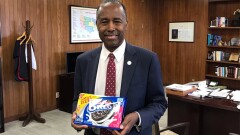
[{"x": 207, "y": 116}]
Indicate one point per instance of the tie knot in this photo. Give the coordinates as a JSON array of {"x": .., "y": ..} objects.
[{"x": 111, "y": 56}]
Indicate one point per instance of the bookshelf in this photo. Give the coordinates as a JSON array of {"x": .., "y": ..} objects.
[{"x": 218, "y": 66}]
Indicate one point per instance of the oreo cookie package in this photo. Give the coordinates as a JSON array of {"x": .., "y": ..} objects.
[{"x": 100, "y": 111}]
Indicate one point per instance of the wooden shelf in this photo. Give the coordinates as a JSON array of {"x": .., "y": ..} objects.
[
  {"x": 227, "y": 78},
  {"x": 223, "y": 62},
  {"x": 222, "y": 0},
  {"x": 222, "y": 28},
  {"x": 230, "y": 47}
]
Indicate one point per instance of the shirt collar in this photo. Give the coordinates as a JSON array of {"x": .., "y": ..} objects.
[{"x": 118, "y": 53}]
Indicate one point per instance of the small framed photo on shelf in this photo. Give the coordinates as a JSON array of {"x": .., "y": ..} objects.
[
  {"x": 235, "y": 41},
  {"x": 83, "y": 27},
  {"x": 181, "y": 31}
]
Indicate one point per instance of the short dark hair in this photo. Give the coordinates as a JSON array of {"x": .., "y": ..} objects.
[{"x": 115, "y": 2}]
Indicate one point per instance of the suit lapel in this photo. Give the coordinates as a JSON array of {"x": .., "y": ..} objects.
[
  {"x": 130, "y": 61},
  {"x": 92, "y": 69}
]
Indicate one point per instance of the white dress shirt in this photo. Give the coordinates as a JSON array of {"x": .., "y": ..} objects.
[{"x": 102, "y": 69}]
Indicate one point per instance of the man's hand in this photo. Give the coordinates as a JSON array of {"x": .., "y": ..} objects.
[
  {"x": 77, "y": 127},
  {"x": 127, "y": 124}
]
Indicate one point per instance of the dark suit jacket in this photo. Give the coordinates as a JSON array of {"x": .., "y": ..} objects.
[{"x": 141, "y": 84}]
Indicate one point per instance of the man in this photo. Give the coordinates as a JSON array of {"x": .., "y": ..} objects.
[{"x": 138, "y": 75}]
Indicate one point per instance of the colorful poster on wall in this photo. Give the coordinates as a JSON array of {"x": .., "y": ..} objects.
[{"x": 83, "y": 25}]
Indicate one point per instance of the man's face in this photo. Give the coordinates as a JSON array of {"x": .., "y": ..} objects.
[{"x": 111, "y": 24}]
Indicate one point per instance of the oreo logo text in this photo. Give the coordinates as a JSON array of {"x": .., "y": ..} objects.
[{"x": 101, "y": 106}]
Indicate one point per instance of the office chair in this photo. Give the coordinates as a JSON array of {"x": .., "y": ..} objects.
[{"x": 176, "y": 129}]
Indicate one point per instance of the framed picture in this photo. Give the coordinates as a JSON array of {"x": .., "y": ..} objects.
[
  {"x": 181, "y": 31},
  {"x": 83, "y": 25}
]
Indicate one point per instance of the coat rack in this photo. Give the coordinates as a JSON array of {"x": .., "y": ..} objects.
[{"x": 32, "y": 115}]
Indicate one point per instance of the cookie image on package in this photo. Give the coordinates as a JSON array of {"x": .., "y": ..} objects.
[{"x": 103, "y": 112}]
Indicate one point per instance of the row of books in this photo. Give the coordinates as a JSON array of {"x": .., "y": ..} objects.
[
  {"x": 214, "y": 40},
  {"x": 223, "y": 56},
  {"x": 230, "y": 71},
  {"x": 219, "y": 22}
]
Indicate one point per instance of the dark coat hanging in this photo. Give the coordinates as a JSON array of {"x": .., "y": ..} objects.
[{"x": 20, "y": 65}]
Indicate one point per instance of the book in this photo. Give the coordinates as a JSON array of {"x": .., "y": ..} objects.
[
  {"x": 215, "y": 40},
  {"x": 222, "y": 21},
  {"x": 238, "y": 74},
  {"x": 218, "y": 55},
  {"x": 210, "y": 55},
  {"x": 216, "y": 70},
  {"x": 231, "y": 70},
  {"x": 226, "y": 56},
  {"x": 234, "y": 57},
  {"x": 209, "y": 39}
]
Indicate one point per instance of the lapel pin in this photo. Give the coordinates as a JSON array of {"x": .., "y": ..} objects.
[{"x": 129, "y": 62}]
